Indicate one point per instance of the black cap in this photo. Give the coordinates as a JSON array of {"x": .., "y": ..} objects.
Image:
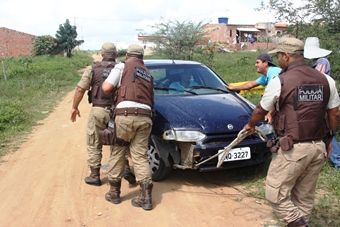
[{"x": 267, "y": 58}]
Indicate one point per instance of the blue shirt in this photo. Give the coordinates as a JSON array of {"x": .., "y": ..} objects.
[
  {"x": 180, "y": 88},
  {"x": 322, "y": 65},
  {"x": 264, "y": 79}
]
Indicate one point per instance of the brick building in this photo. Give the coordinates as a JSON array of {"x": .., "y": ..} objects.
[
  {"x": 14, "y": 43},
  {"x": 239, "y": 35}
]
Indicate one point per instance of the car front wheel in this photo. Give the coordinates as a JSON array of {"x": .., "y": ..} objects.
[{"x": 157, "y": 166}]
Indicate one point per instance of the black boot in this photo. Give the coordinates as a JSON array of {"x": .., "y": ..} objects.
[
  {"x": 144, "y": 199},
  {"x": 94, "y": 178},
  {"x": 113, "y": 195},
  {"x": 300, "y": 222},
  {"x": 128, "y": 174}
]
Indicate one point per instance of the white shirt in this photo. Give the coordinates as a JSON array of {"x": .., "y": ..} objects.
[
  {"x": 115, "y": 79},
  {"x": 272, "y": 93}
]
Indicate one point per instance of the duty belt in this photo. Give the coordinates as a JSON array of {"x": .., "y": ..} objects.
[
  {"x": 102, "y": 105},
  {"x": 133, "y": 111}
]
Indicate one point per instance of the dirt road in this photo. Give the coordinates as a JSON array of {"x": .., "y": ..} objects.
[{"x": 42, "y": 184}]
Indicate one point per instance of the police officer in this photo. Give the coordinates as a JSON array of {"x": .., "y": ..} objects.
[
  {"x": 135, "y": 99},
  {"x": 306, "y": 103},
  {"x": 99, "y": 116}
]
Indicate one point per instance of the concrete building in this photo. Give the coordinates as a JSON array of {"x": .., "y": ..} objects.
[{"x": 244, "y": 36}]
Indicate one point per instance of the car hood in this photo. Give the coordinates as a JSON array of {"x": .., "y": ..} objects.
[{"x": 208, "y": 113}]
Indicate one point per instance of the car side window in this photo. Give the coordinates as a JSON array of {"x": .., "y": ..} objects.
[
  {"x": 157, "y": 74},
  {"x": 160, "y": 80}
]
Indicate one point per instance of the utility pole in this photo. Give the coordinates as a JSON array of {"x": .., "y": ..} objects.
[{"x": 82, "y": 38}]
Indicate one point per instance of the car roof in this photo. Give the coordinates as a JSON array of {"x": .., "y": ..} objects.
[{"x": 169, "y": 62}]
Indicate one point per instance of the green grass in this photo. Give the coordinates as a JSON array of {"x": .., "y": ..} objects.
[
  {"x": 31, "y": 90},
  {"x": 35, "y": 85},
  {"x": 237, "y": 66}
]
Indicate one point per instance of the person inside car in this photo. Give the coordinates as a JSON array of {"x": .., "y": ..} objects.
[{"x": 184, "y": 84}]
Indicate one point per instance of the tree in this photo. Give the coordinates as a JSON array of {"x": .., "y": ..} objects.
[
  {"x": 315, "y": 15},
  {"x": 318, "y": 18},
  {"x": 178, "y": 40},
  {"x": 43, "y": 45},
  {"x": 66, "y": 38}
]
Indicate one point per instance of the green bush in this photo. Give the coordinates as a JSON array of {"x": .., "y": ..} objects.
[{"x": 12, "y": 115}]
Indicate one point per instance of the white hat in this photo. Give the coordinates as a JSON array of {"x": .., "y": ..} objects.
[{"x": 313, "y": 50}]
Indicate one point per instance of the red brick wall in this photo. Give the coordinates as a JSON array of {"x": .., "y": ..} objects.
[{"x": 14, "y": 43}]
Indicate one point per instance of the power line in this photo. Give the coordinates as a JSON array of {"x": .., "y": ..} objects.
[{"x": 225, "y": 11}]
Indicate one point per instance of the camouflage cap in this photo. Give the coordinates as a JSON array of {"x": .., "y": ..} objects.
[
  {"x": 135, "y": 49},
  {"x": 289, "y": 46},
  {"x": 109, "y": 48}
]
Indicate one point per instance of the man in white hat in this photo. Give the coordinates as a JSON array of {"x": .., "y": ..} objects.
[
  {"x": 313, "y": 51},
  {"x": 321, "y": 63}
]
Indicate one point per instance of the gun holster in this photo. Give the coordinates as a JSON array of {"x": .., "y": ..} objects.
[
  {"x": 273, "y": 144},
  {"x": 286, "y": 143},
  {"x": 108, "y": 135},
  {"x": 89, "y": 96}
]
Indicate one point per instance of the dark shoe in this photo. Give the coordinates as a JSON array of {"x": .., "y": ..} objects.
[
  {"x": 300, "y": 222},
  {"x": 144, "y": 199},
  {"x": 129, "y": 176},
  {"x": 94, "y": 178},
  {"x": 113, "y": 195}
]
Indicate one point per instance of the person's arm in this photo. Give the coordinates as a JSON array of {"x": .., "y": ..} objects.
[
  {"x": 78, "y": 96},
  {"x": 107, "y": 87},
  {"x": 245, "y": 86},
  {"x": 268, "y": 100},
  {"x": 332, "y": 109},
  {"x": 333, "y": 119},
  {"x": 112, "y": 80},
  {"x": 269, "y": 116},
  {"x": 257, "y": 115}
]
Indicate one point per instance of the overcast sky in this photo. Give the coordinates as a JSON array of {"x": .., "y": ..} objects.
[{"x": 100, "y": 21}]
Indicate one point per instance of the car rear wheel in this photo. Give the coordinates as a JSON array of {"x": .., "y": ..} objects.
[{"x": 157, "y": 166}]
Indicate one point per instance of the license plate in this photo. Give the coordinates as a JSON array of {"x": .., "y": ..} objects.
[{"x": 236, "y": 154}]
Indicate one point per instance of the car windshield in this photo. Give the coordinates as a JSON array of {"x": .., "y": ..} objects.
[{"x": 185, "y": 79}]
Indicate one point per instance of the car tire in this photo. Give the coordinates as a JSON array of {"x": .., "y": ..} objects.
[{"x": 157, "y": 166}]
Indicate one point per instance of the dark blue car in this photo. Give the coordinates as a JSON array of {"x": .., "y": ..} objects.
[{"x": 195, "y": 119}]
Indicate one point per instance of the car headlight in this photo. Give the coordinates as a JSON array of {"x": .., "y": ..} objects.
[
  {"x": 183, "y": 136},
  {"x": 266, "y": 128}
]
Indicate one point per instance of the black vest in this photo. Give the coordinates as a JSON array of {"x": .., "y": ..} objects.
[
  {"x": 100, "y": 71},
  {"x": 136, "y": 83},
  {"x": 302, "y": 104}
]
